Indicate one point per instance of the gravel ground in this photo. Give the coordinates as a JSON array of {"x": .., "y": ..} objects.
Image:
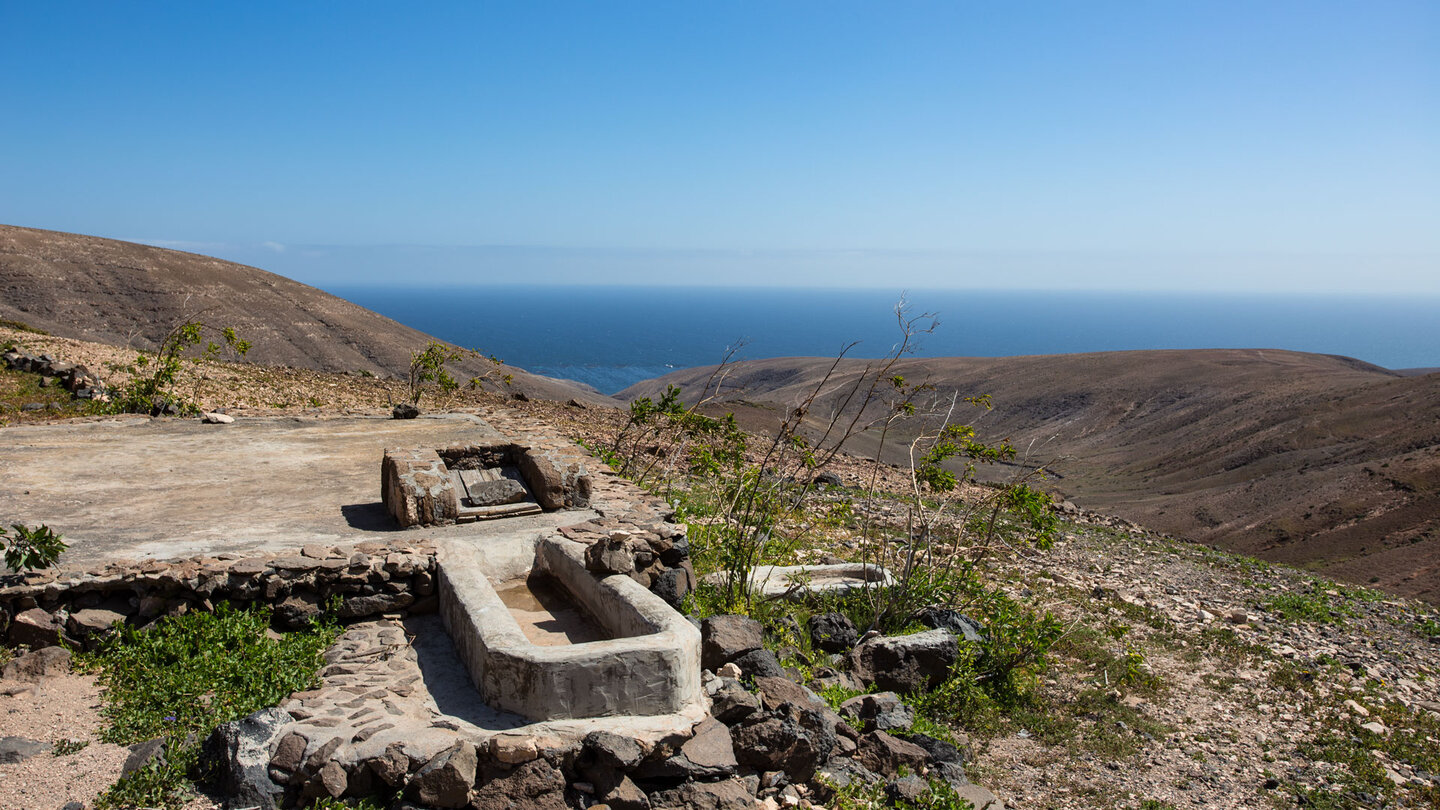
[{"x": 62, "y": 707}]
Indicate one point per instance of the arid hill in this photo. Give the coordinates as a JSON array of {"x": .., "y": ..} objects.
[
  {"x": 1323, "y": 462},
  {"x": 121, "y": 293}
]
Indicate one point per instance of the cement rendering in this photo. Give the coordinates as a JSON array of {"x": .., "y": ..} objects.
[{"x": 135, "y": 487}]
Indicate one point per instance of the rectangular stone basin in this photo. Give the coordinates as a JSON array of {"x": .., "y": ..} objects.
[{"x": 637, "y": 656}]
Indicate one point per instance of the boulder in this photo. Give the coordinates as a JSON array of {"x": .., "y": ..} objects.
[
  {"x": 759, "y": 664},
  {"x": 610, "y": 555},
  {"x": 777, "y": 691},
  {"x": 612, "y": 751},
  {"x": 42, "y": 663},
  {"x": 238, "y": 756},
  {"x": 674, "y": 584},
  {"x": 885, "y": 755},
  {"x": 625, "y": 795},
  {"x": 952, "y": 620},
  {"x": 141, "y": 754},
  {"x": 445, "y": 780},
  {"x": 732, "y": 702},
  {"x": 404, "y": 411},
  {"x": 832, "y": 632},
  {"x": 546, "y": 479},
  {"x": 725, "y": 638},
  {"x": 360, "y": 606},
  {"x": 298, "y": 610},
  {"x": 884, "y": 711},
  {"x": 707, "y": 755},
  {"x": 839, "y": 773},
  {"x": 940, "y": 750},
  {"x": 536, "y": 784},
  {"x": 906, "y": 663},
  {"x": 906, "y": 790},
  {"x": 730, "y": 794},
  {"x": 34, "y": 628},
  {"x": 793, "y": 739}
]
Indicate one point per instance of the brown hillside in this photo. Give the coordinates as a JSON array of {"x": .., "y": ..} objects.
[
  {"x": 1314, "y": 460},
  {"x": 121, "y": 293}
]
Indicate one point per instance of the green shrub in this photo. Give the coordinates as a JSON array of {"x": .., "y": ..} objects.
[
  {"x": 152, "y": 376},
  {"x": 31, "y": 549},
  {"x": 182, "y": 677}
]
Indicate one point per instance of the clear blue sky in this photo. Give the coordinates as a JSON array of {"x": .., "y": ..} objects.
[{"x": 1204, "y": 145}]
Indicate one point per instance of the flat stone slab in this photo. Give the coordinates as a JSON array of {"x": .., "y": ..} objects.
[{"x": 133, "y": 487}]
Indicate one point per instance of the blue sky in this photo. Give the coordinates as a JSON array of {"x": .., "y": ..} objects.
[{"x": 1237, "y": 145}]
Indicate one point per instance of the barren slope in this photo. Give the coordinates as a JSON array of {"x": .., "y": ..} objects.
[
  {"x": 1320, "y": 461},
  {"x": 122, "y": 293}
]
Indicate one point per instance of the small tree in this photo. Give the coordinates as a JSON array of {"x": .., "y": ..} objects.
[
  {"x": 428, "y": 366},
  {"x": 153, "y": 376}
]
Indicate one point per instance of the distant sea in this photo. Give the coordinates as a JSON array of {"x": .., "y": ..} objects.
[{"x": 611, "y": 337}]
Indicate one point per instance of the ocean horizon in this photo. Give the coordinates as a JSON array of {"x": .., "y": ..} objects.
[{"x": 610, "y": 337}]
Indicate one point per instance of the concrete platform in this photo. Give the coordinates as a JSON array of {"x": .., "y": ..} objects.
[{"x": 134, "y": 487}]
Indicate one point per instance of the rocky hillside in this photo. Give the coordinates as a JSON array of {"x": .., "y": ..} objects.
[
  {"x": 1323, "y": 462},
  {"x": 125, "y": 294}
]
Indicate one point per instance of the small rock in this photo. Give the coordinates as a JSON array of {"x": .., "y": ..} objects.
[
  {"x": 1356, "y": 708},
  {"x": 216, "y": 418},
  {"x": 19, "y": 749},
  {"x": 512, "y": 749}
]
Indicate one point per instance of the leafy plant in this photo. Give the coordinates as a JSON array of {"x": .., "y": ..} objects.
[
  {"x": 428, "y": 366},
  {"x": 31, "y": 549},
  {"x": 67, "y": 746},
  {"x": 153, "y": 376},
  {"x": 184, "y": 676},
  {"x": 1314, "y": 606}
]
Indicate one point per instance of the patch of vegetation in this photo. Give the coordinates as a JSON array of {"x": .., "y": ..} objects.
[
  {"x": 31, "y": 549},
  {"x": 66, "y": 747},
  {"x": 859, "y": 796},
  {"x": 1313, "y": 606},
  {"x": 21, "y": 327},
  {"x": 182, "y": 677},
  {"x": 153, "y": 376},
  {"x": 21, "y": 388},
  {"x": 428, "y": 367},
  {"x": 1409, "y": 742}
]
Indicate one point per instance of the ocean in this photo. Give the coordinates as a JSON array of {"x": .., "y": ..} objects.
[{"x": 611, "y": 337}]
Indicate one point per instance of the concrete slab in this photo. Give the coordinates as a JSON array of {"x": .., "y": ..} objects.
[{"x": 133, "y": 487}]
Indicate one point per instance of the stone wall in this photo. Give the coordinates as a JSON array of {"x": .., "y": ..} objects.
[{"x": 365, "y": 580}]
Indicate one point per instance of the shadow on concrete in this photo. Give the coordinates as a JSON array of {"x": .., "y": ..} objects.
[
  {"x": 447, "y": 680},
  {"x": 369, "y": 517}
]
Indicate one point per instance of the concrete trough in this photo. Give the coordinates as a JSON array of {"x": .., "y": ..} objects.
[
  {"x": 647, "y": 664},
  {"x": 800, "y": 581}
]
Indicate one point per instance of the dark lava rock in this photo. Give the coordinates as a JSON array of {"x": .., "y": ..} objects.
[{"x": 832, "y": 632}]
